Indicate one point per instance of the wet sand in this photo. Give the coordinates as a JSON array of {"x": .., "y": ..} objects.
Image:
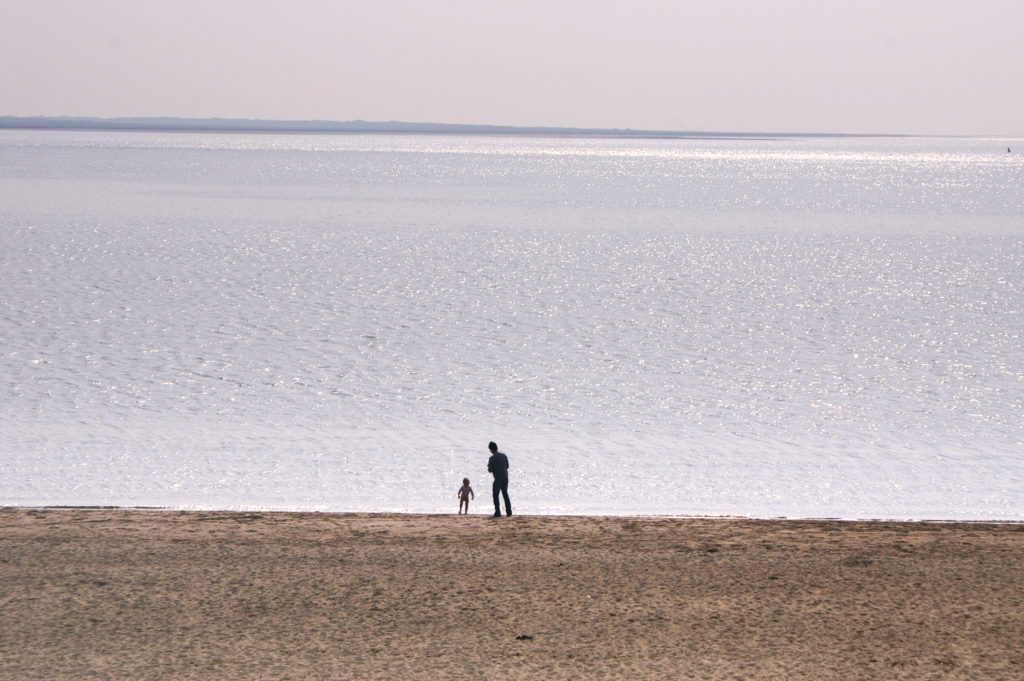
[{"x": 117, "y": 594}]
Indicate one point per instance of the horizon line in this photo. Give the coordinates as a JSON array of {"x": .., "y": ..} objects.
[{"x": 219, "y": 124}]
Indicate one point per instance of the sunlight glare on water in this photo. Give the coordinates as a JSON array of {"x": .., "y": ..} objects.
[{"x": 780, "y": 327}]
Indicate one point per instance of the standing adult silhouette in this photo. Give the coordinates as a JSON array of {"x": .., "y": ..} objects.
[{"x": 497, "y": 465}]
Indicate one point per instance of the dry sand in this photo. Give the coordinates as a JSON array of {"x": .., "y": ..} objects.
[{"x": 113, "y": 594}]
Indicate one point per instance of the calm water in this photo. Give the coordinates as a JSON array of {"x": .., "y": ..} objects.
[{"x": 798, "y": 327}]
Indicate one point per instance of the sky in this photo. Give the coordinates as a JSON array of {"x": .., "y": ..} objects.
[{"x": 856, "y": 66}]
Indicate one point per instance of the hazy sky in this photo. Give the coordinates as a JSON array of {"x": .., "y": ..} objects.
[{"x": 913, "y": 66}]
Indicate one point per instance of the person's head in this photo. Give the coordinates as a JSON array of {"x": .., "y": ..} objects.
[
  {"x": 465, "y": 481},
  {"x": 493, "y": 447}
]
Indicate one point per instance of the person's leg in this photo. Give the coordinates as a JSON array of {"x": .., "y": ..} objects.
[
  {"x": 495, "y": 490},
  {"x": 508, "y": 504}
]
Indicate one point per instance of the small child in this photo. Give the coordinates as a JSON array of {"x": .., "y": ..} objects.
[{"x": 465, "y": 494}]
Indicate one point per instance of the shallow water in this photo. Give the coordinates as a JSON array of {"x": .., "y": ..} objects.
[{"x": 797, "y": 327}]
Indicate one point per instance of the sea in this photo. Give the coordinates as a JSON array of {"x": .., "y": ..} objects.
[{"x": 791, "y": 326}]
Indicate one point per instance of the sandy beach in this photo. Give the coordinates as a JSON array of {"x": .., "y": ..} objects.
[{"x": 140, "y": 594}]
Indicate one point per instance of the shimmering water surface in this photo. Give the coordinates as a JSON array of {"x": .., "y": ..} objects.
[{"x": 798, "y": 327}]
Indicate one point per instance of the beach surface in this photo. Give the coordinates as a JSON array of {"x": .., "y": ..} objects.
[{"x": 150, "y": 594}]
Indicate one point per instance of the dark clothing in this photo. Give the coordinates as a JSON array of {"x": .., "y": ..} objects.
[
  {"x": 500, "y": 487},
  {"x": 498, "y": 467}
]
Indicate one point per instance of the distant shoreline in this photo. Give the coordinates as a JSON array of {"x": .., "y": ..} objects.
[{"x": 370, "y": 127}]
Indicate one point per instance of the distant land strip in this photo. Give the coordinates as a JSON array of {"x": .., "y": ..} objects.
[{"x": 164, "y": 124}]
